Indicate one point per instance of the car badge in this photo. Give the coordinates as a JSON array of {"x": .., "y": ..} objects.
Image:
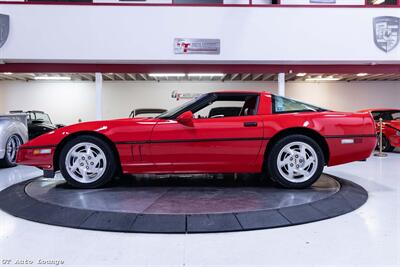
[
  {"x": 4, "y": 28},
  {"x": 386, "y": 32}
]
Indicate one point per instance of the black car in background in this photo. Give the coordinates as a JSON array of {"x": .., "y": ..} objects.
[{"x": 38, "y": 123}]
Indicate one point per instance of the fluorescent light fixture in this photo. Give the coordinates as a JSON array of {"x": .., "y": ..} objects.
[
  {"x": 52, "y": 78},
  {"x": 362, "y": 74},
  {"x": 166, "y": 75},
  {"x": 317, "y": 79},
  {"x": 301, "y": 74},
  {"x": 7, "y": 73},
  {"x": 206, "y": 75}
]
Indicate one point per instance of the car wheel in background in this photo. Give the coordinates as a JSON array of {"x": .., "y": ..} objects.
[
  {"x": 11, "y": 149},
  {"x": 386, "y": 146},
  {"x": 295, "y": 161},
  {"x": 87, "y": 162}
]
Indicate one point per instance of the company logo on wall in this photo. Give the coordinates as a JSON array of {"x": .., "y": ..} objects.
[
  {"x": 175, "y": 94},
  {"x": 197, "y": 46},
  {"x": 4, "y": 28},
  {"x": 386, "y": 32}
]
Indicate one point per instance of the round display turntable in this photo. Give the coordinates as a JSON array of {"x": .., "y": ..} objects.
[{"x": 181, "y": 205}]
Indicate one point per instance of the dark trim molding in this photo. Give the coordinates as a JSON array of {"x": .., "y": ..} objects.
[{"x": 192, "y": 140}]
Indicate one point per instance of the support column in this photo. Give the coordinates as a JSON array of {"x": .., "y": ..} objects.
[
  {"x": 99, "y": 96},
  {"x": 281, "y": 84}
]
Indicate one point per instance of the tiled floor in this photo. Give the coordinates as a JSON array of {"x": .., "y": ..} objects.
[{"x": 369, "y": 236}]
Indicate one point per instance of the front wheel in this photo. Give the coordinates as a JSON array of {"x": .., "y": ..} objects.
[
  {"x": 87, "y": 162},
  {"x": 295, "y": 161}
]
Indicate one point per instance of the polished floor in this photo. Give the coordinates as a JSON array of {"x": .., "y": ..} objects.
[{"x": 369, "y": 236}]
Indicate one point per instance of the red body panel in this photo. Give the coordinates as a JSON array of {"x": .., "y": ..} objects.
[
  {"x": 212, "y": 145},
  {"x": 391, "y": 129}
]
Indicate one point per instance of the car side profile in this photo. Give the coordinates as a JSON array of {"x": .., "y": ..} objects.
[
  {"x": 288, "y": 141},
  {"x": 390, "y": 127}
]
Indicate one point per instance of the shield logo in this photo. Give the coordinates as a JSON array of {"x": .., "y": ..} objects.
[
  {"x": 4, "y": 28},
  {"x": 386, "y": 32}
]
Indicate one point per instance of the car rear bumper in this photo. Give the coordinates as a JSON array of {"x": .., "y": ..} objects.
[{"x": 345, "y": 149}]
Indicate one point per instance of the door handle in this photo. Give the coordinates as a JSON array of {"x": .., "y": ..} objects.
[{"x": 250, "y": 124}]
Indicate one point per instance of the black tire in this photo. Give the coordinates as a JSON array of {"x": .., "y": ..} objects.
[
  {"x": 8, "y": 162},
  {"x": 110, "y": 166},
  {"x": 272, "y": 168},
  {"x": 386, "y": 146}
]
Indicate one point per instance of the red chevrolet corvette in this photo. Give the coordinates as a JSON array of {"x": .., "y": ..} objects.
[
  {"x": 390, "y": 127},
  {"x": 221, "y": 132}
]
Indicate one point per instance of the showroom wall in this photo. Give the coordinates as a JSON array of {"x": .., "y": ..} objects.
[{"x": 69, "y": 101}]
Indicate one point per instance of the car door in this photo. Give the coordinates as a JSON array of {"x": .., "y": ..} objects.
[{"x": 228, "y": 144}]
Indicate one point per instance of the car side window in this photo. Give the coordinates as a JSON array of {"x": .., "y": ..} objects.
[
  {"x": 228, "y": 107},
  {"x": 285, "y": 105}
]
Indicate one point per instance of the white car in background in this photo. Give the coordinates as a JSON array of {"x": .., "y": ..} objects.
[{"x": 13, "y": 133}]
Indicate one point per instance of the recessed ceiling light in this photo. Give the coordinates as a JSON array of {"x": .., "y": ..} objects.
[
  {"x": 52, "y": 78},
  {"x": 159, "y": 75},
  {"x": 301, "y": 74},
  {"x": 206, "y": 74},
  {"x": 316, "y": 79},
  {"x": 362, "y": 74}
]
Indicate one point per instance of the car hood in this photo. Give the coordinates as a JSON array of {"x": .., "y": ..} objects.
[
  {"x": 394, "y": 123},
  {"x": 119, "y": 130}
]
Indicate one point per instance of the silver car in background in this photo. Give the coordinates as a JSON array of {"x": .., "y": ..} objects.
[{"x": 13, "y": 133}]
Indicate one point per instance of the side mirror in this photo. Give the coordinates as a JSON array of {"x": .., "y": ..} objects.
[{"x": 186, "y": 118}]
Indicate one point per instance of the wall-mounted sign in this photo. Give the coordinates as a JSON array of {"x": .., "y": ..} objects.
[
  {"x": 386, "y": 32},
  {"x": 322, "y": 1},
  {"x": 4, "y": 28},
  {"x": 175, "y": 94},
  {"x": 197, "y": 46}
]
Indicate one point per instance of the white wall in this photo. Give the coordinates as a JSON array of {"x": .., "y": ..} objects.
[
  {"x": 347, "y": 96},
  {"x": 145, "y": 34},
  {"x": 66, "y": 102}
]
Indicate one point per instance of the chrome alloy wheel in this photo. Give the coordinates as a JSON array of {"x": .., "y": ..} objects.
[
  {"x": 13, "y": 143},
  {"x": 297, "y": 162},
  {"x": 85, "y": 162}
]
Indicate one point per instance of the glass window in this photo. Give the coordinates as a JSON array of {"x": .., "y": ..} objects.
[
  {"x": 382, "y": 2},
  {"x": 226, "y": 105},
  {"x": 396, "y": 115},
  {"x": 386, "y": 115},
  {"x": 286, "y": 105}
]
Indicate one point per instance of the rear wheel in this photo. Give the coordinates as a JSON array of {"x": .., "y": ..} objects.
[
  {"x": 295, "y": 161},
  {"x": 87, "y": 162},
  {"x": 11, "y": 149}
]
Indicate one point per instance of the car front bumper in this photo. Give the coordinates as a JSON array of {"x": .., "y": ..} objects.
[{"x": 41, "y": 157}]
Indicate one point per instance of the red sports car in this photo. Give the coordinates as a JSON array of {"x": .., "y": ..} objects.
[
  {"x": 288, "y": 141},
  {"x": 390, "y": 127}
]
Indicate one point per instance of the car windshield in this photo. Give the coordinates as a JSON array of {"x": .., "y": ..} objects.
[
  {"x": 386, "y": 115},
  {"x": 170, "y": 113},
  {"x": 38, "y": 116}
]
